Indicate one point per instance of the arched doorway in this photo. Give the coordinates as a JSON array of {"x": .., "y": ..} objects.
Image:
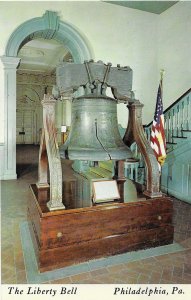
[
  {"x": 49, "y": 26},
  {"x": 36, "y": 76}
]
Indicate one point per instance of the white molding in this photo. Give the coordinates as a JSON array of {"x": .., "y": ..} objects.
[
  {"x": 8, "y": 177},
  {"x": 9, "y": 64}
]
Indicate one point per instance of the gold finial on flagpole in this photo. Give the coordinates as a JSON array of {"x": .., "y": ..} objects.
[{"x": 162, "y": 71}]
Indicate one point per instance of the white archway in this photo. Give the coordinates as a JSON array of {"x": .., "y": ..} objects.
[{"x": 48, "y": 26}]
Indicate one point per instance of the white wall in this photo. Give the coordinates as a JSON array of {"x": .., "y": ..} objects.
[
  {"x": 2, "y": 116},
  {"x": 174, "y": 50}
]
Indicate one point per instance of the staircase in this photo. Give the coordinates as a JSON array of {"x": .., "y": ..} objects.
[{"x": 176, "y": 172}]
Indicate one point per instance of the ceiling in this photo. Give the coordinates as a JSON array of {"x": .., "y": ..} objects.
[
  {"x": 42, "y": 56},
  {"x": 156, "y": 7}
]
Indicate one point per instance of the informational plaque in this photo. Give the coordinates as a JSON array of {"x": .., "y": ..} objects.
[
  {"x": 63, "y": 128},
  {"x": 106, "y": 190}
]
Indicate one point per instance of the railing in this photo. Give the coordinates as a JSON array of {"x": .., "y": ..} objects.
[
  {"x": 177, "y": 120},
  {"x": 137, "y": 171}
]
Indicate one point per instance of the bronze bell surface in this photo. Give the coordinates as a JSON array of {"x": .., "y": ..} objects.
[{"x": 94, "y": 133}]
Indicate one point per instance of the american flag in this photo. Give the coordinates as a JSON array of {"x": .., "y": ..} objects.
[{"x": 158, "y": 140}]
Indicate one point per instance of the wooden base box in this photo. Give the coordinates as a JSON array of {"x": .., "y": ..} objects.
[{"x": 78, "y": 234}]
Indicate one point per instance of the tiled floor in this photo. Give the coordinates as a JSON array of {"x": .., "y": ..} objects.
[{"x": 168, "y": 268}]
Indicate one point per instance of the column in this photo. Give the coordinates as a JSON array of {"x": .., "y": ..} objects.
[{"x": 10, "y": 65}]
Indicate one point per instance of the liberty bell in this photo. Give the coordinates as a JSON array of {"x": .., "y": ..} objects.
[{"x": 94, "y": 134}]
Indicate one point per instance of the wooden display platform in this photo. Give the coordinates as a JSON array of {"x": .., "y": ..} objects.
[{"x": 77, "y": 234}]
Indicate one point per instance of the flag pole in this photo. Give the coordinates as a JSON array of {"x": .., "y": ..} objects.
[
  {"x": 162, "y": 71},
  {"x": 157, "y": 138}
]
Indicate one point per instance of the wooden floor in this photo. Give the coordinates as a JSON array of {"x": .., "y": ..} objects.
[{"x": 168, "y": 268}]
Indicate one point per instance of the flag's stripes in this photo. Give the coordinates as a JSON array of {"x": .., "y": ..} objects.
[{"x": 158, "y": 140}]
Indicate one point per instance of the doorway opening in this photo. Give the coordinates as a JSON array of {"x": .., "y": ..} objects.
[{"x": 35, "y": 77}]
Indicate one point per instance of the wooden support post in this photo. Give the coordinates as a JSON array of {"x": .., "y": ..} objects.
[
  {"x": 135, "y": 133},
  {"x": 49, "y": 156}
]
